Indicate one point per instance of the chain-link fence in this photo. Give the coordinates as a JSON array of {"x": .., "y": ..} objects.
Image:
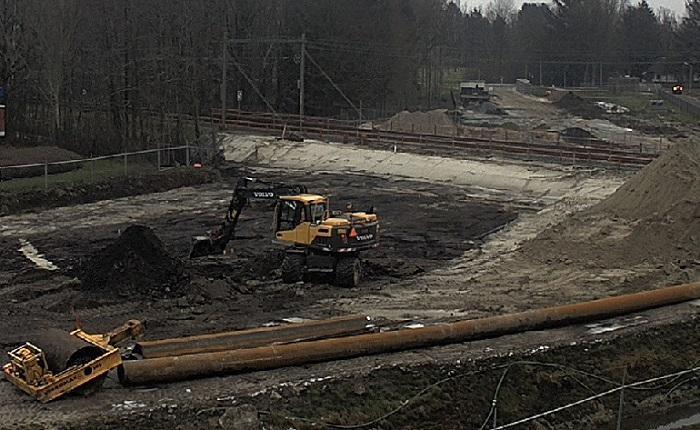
[{"x": 92, "y": 170}]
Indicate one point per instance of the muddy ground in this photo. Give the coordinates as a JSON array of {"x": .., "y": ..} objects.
[
  {"x": 420, "y": 232},
  {"x": 435, "y": 242}
]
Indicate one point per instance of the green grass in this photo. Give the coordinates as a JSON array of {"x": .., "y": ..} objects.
[
  {"x": 638, "y": 103},
  {"x": 99, "y": 171}
]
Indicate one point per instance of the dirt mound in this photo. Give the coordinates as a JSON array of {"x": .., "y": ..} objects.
[
  {"x": 579, "y": 136},
  {"x": 579, "y": 106},
  {"x": 490, "y": 109},
  {"x": 651, "y": 224},
  {"x": 432, "y": 122},
  {"x": 136, "y": 263},
  {"x": 668, "y": 187}
]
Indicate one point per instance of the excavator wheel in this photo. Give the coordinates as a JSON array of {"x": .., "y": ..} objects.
[
  {"x": 348, "y": 272},
  {"x": 293, "y": 268}
]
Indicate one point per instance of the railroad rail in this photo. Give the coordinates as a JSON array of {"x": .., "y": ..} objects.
[{"x": 364, "y": 132}]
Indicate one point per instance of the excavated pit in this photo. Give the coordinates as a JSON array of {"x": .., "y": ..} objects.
[{"x": 428, "y": 229}]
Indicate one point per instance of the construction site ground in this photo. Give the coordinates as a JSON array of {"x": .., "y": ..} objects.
[{"x": 461, "y": 237}]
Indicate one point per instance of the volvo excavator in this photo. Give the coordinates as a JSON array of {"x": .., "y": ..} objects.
[{"x": 316, "y": 238}]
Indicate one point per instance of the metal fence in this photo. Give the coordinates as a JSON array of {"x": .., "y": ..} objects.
[
  {"x": 94, "y": 169},
  {"x": 685, "y": 104},
  {"x": 487, "y": 141}
]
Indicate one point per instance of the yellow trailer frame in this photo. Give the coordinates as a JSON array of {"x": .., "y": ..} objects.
[{"x": 29, "y": 372}]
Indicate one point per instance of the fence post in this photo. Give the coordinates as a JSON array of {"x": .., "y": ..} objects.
[
  {"x": 126, "y": 168},
  {"x": 622, "y": 399},
  {"x": 159, "y": 162},
  {"x": 92, "y": 169},
  {"x": 46, "y": 175},
  {"x": 187, "y": 154}
]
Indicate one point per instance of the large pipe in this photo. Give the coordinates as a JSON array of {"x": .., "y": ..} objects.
[
  {"x": 62, "y": 350},
  {"x": 191, "y": 366},
  {"x": 311, "y": 330}
]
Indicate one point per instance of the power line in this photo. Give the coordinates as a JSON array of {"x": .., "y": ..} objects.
[
  {"x": 594, "y": 397},
  {"x": 670, "y": 378}
]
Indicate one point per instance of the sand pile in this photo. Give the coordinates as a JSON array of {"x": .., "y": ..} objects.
[
  {"x": 651, "y": 223},
  {"x": 432, "y": 122},
  {"x": 136, "y": 263},
  {"x": 669, "y": 188}
]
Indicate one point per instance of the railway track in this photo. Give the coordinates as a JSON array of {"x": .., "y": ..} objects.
[{"x": 355, "y": 132}]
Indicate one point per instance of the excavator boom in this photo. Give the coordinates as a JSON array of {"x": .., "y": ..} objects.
[{"x": 246, "y": 189}]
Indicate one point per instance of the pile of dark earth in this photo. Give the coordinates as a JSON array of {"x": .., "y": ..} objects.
[{"x": 136, "y": 263}]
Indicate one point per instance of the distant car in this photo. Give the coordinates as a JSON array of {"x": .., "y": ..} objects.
[{"x": 678, "y": 89}]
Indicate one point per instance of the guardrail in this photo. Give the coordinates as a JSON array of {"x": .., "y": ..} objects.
[{"x": 354, "y": 131}]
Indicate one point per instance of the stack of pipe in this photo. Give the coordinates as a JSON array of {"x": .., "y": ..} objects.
[{"x": 256, "y": 356}]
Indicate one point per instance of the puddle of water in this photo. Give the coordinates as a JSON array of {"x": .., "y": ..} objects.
[{"x": 608, "y": 326}]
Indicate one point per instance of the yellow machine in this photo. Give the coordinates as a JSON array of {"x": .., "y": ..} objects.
[
  {"x": 75, "y": 362},
  {"x": 317, "y": 239}
]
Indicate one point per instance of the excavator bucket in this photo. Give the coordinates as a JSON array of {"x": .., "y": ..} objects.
[{"x": 203, "y": 246}]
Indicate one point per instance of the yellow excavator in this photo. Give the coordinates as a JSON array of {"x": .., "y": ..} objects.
[{"x": 317, "y": 239}]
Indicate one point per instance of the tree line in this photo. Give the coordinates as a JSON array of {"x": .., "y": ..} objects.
[{"x": 100, "y": 76}]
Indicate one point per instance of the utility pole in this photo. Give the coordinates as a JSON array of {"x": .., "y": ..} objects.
[
  {"x": 302, "y": 65},
  {"x": 224, "y": 63},
  {"x": 690, "y": 81}
]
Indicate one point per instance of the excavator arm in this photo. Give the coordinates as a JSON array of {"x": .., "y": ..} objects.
[{"x": 246, "y": 189}]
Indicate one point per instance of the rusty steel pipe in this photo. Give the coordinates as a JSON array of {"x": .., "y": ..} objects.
[
  {"x": 239, "y": 339},
  {"x": 268, "y": 357}
]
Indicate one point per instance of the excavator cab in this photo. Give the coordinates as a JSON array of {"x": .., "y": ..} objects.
[{"x": 297, "y": 218}]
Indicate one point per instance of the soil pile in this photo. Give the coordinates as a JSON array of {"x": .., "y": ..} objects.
[
  {"x": 579, "y": 106},
  {"x": 651, "y": 222},
  {"x": 432, "y": 122},
  {"x": 136, "y": 263},
  {"x": 669, "y": 187}
]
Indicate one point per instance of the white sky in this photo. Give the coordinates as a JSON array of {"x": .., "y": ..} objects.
[{"x": 678, "y": 6}]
